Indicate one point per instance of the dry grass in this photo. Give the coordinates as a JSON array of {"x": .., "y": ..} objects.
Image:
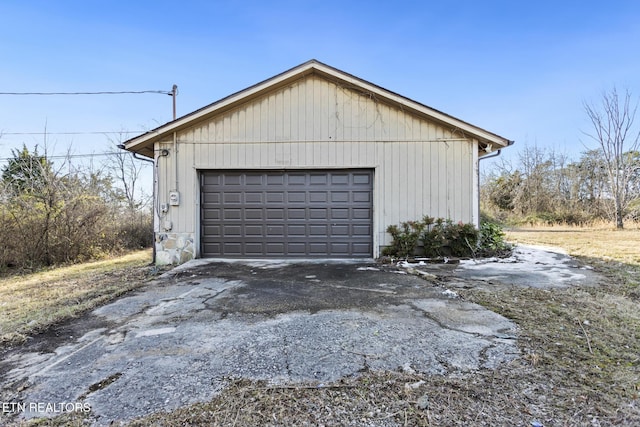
[
  {"x": 599, "y": 243},
  {"x": 31, "y": 303}
]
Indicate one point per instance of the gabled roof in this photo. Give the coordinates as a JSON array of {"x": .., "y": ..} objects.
[{"x": 143, "y": 144}]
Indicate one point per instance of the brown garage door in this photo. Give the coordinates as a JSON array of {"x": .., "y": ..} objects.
[{"x": 287, "y": 213}]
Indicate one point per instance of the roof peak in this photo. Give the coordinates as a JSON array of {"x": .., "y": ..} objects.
[{"x": 143, "y": 144}]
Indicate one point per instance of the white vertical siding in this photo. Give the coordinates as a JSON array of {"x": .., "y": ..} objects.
[{"x": 421, "y": 168}]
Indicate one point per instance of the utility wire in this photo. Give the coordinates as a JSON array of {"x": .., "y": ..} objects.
[
  {"x": 68, "y": 156},
  {"x": 73, "y": 133},
  {"x": 134, "y": 92}
]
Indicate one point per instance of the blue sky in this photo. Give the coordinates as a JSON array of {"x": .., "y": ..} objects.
[{"x": 521, "y": 69}]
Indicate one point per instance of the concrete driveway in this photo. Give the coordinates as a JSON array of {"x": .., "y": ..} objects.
[{"x": 175, "y": 341}]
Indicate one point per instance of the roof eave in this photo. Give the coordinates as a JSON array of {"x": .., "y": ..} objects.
[{"x": 143, "y": 144}]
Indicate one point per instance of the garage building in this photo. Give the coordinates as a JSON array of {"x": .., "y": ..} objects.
[{"x": 313, "y": 162}]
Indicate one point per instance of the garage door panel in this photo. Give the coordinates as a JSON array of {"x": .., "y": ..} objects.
[
  {"x": 337, "y": 214},
  {"x": 299, "y": 213},
  {"x": 296, "y": 197},
  {"x": 318, "y": 197},
  {"x": 253, "y": 249},
  {"x": 340, "y": 248},
  {"x": 254, "y": 179},
  {"x": 232, "y": 230},
  {"x": 360, "y": 213},
  {"x": 318, "y": 213},
  {"x": 254, "y": 231},
  {"x": 361, "y": 230},
  {"x": 211, "y": 198},
  {"x": 212, "y": 249},
  {"x": 295, "y": 179},
  {"x": 296, "y": 230},
  {"x": 231, "y": 198},
  {"x": 232, "y": 179},
  {"x": 231, "y": 214},
  {"x": 275, "y": 197},
  {"x": 254, "y": 214},
  {"x": 361, "y": 249},
  {"x": 232, "y": 248},
  {"x": 275, "y": 249},
  {"x": 339, "y": 179},
  {"x": 318, "y": 179},
  {"x": 275, "y": 179},
  {"x": 318, "y": 230},
  {"x": 339, "y": 197},
  {"x": 275, "y": 213},
  {"x": 340, "y": 230},
  {"x": 296, "y": 247},
  {"x": 211, "y": 230},
  {"x": 362, "y": 179},
  {"x": 275, "y": 231},
  {"x": 251, "y": 198},
  {"x": 211, "y": 214},
  {"x": 361, "y": 196},
  {"x": 318, "y": 248},
  {"x": 211, "y": 179}
]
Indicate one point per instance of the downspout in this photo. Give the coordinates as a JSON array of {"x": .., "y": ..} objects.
[
  {"x": 496, "y": 154},
  {"x": 175, "y": 158},
  {"x": 135, "y": 156},
  {"x": 174, "y": 92},
  {"x": 153, "y": 202}
]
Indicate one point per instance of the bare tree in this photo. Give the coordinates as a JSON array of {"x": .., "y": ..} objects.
[
  {"x": 612, "y": 122},
  {"x": 126, "y": 170}
]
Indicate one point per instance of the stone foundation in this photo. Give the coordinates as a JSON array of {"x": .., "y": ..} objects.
[{"x": 174, "y": 248}]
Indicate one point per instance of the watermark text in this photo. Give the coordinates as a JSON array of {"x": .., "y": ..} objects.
[{"x": 43, "y": 407}]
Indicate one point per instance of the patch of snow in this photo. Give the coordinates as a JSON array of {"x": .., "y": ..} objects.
[
  {"x": 537, "y": 266},
  {"x": 413, "y": 386},
  {"x": 265, "y": 265},
  {"x": 408, "y": 369},
  {"x": 368, "y": 269},
  {"x": 154, "y": 332},
  {"x": 449, "y": 293}
]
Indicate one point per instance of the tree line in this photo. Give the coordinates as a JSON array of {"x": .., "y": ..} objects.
[
  {"x": 547, "y": 187},
  {"x": 59, "y": 213}
]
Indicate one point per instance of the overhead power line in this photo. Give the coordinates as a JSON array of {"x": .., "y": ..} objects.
[
  {"x": 124, "y": 92},
  {"x": 70, "y": 156},
  {"x": 74, "y": 133},
  {"x": 173, "y": 93}
]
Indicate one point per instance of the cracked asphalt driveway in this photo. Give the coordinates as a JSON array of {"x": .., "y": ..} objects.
[{"x": 178, "y": 339}]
